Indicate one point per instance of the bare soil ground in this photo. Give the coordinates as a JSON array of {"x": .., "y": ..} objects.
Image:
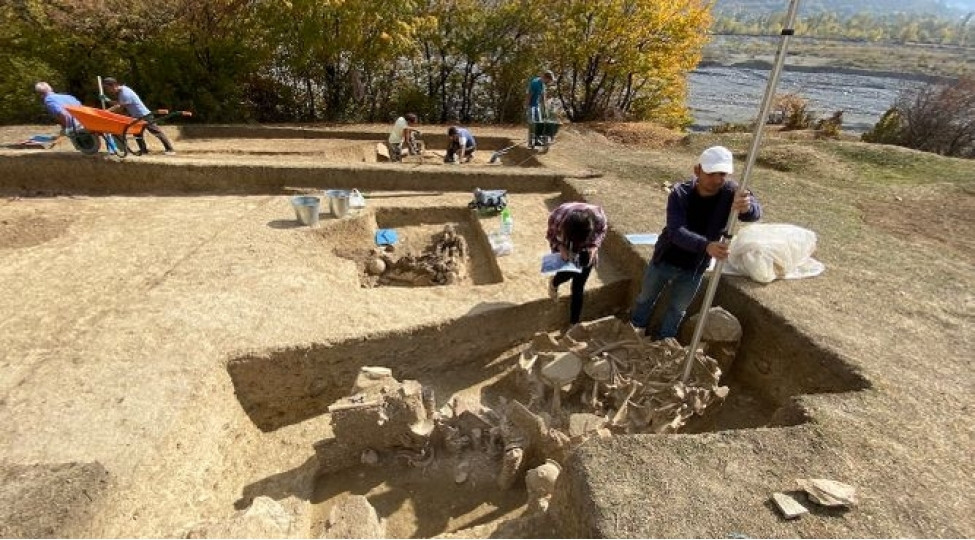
[{"x": 122, "y": 315}]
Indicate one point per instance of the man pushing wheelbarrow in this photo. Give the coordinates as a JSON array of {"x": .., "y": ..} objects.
[{"x": 126, "y": 99}]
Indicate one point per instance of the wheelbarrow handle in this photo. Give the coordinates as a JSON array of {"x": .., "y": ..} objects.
[{"x": 169, "y": 114}]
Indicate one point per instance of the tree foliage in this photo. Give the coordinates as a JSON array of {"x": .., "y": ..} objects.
[
  {"x": 623, "y": 58},
  {"x": 351, "y": 60}
]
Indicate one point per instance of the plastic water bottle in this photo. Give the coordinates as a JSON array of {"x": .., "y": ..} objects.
[{"x": 507, "y": 222}]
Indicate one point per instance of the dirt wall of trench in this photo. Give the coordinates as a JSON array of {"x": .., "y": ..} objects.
[
  {"x": 284, "y": 387},
  {"x": 22, "y": 174},
  {"x": 438, "y": 139}
]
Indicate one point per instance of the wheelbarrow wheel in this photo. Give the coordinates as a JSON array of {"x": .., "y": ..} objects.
[
  {"x": 86, "y": 142},
  {"x": 123, "y": 142},
  {"x": 118, "y": 146}
]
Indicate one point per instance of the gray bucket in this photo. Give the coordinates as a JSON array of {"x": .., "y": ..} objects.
[
  {"x": 338, "y": 201},
  {"x": 306, "y": 209}
]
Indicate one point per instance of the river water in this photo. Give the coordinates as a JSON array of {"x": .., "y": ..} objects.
[{"x": 733, "y": 94}]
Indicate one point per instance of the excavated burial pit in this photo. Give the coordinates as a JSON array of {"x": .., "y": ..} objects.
[
  {"x": 417, "y": 229},
  {"x": 474, "y": 356}
]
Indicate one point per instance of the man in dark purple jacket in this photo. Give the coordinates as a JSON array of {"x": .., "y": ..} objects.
[{"x": 697, "y": 213}]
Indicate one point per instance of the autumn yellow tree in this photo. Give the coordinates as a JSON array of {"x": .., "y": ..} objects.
[{"x": 623, "y": 58}]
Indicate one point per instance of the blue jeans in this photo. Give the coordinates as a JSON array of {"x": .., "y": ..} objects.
[{"x": 683, "y": 286}]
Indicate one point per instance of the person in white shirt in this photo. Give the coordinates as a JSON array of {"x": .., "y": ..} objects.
[
  {"x": 404, "y": 134},
  {"x": 127, "y": 100}
]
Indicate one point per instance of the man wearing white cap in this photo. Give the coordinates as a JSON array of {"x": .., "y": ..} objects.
[{"x": 697, "y": 213}]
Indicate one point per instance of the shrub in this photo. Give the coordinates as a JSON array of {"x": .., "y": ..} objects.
[
  {"x": 938, "y": 118},
  {"x": 730, "y": 127},
  {"x": 830, "y": 127},
  {"x": 887, "y": 131},
  {"x": 792, "y": 111}
]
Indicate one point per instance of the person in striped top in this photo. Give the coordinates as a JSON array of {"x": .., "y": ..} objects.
[{"x": 575, "y": 230}]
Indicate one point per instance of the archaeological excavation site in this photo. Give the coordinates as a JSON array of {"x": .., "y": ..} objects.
[{"x": 279, "y": 333}]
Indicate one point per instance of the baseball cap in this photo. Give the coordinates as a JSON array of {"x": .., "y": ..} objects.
[
  {"x": 717, "y": 159},
  {"x": 110, "y": 81}
]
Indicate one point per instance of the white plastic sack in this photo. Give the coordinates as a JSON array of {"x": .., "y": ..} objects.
[{"x": 769, "y": 251}]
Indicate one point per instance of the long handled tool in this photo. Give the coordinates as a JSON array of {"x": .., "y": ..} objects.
[
  {"x": 110, "y": 143},
  {"x": 498, "y": 153},
  {"x": 773, "y": 81}
]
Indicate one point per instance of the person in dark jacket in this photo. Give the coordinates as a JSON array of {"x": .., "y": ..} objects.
[
  {"x": 575, "y": 230},
  {"x": 697, "y": 213}
]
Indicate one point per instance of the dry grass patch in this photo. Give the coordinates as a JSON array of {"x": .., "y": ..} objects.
[
  {"x": 802, "y": 159},
  {"x": 637, "y": 133}
]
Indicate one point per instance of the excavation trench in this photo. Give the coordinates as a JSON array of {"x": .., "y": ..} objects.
[
  {"x": 475, "y": 359},
  {"x": 473, "y": 355},
  {"x": 426, "y": 247}
]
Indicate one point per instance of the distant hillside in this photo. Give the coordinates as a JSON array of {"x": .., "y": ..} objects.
[{"x": 845, "y": 7}]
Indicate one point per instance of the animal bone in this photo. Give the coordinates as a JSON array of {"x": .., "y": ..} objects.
[{"x": 510, "y": 465}]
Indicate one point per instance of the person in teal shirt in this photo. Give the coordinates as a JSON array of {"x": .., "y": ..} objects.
[{"x": 535, "y": 103}]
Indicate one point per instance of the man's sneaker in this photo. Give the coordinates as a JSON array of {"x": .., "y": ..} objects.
[
  {"x": 170, "y": 152},
  {"x": 553, "y": 291}
]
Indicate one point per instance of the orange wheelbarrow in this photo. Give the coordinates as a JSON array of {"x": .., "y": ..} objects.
[{"x": 94, "y": 125}]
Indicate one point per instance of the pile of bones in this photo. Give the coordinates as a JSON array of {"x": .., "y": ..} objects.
[{"x": 598, "y": 379}]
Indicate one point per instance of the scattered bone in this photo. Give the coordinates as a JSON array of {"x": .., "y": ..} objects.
[
  {"x": 581, "y": 425},
  {"x": 372, "y": 379},
  {"x": 826, "y": 492},
  {"x": 560, "y": 371},
  {"x": 443, "y": 263},
  {"x": 627, "y": 379},
  {"x": 462, "y": 471},
  {"x": 354, "y": 517},
  {"x": 511, "y": 464},
  {"x": 599, "y": 369},
  {"x": 540, "y": 483},
  {"x": 376, "y": 267},
  {"x": 789, "y": 507},
  {"x": 604, "y": 379}
]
